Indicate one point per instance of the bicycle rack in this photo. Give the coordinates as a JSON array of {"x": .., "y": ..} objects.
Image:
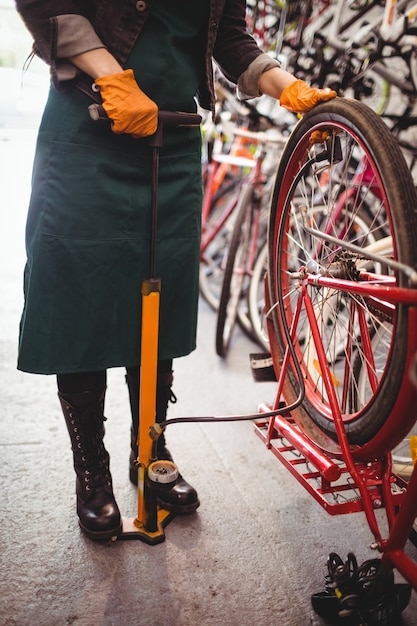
[
  {"x": 332, "y": 486},
  {"x": 328, "y": 481}
]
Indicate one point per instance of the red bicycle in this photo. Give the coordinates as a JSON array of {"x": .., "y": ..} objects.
[{"x": 341, "y": 310}]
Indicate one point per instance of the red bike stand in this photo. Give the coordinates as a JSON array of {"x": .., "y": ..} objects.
[{"x": 328, "y": 480}]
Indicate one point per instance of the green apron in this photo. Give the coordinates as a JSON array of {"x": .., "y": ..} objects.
[{"x": 89, "y": 218}]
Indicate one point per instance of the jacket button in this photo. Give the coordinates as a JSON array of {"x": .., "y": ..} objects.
[{"x": 141, "y": 6}]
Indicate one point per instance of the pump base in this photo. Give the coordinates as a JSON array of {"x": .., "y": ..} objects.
[{"x": 132, "y": 529}]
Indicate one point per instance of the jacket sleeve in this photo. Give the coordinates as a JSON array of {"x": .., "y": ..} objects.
[
  {"x": 59, "y": 30},
  {"x": 236, "y": 52}
]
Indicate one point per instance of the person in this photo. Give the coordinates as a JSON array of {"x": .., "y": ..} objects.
[{"x": 88, "y": 224}]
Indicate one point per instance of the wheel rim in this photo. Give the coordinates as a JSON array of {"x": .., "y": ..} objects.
[{"x": 317, "y": 198}]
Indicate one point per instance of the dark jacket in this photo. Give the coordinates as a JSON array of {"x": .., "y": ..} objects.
[{"x": 64, "y": 28}]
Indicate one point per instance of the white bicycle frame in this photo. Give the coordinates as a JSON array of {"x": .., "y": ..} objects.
[
  {"x": 395, "y": 24},
  {"x": 390, "y": 22}
]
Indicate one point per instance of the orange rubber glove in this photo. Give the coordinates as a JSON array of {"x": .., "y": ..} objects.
[
  {"x": 130, "y": 110},
  {"x": 299, "y": 97}
]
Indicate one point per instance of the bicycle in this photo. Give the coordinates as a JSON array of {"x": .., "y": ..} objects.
[
  {"x": 342, "y": 322},
  {"x": 229, "y": 160},
  {"x": 247, "y": 237},
  {"x": 224, "y": 176},
  {"x": 265, "y": 21},
  {"x": 364, "y": 48},
  {"x": 256, "y": 298},
  {"x": 356, "y": 226}
]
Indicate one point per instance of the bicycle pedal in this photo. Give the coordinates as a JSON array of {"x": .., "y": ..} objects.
[
  {"x": 326, "y": 605},
  {"x": 262, "y": 367}
]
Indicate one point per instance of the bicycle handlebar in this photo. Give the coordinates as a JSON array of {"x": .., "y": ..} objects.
[{"x": 168, "y": 118}]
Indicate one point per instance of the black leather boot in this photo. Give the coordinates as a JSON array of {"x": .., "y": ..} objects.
[
  {"x": 181, "y": 498},
  {"x": 99, "y": 515}
]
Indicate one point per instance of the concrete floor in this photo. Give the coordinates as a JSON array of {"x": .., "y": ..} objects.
[{"x": 253, "y": 553}]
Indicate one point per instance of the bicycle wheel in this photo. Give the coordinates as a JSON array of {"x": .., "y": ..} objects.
[
  {"x": 402, "y": 454},
  {"x": 256, "y": 298},
  {"x": 372, "y": 90},
  {"x": 235, "y": 275},
  {"x": 360, "y": 226},
  {"x": 216, "y": 236},
  {"x": 340, "y": 157}
]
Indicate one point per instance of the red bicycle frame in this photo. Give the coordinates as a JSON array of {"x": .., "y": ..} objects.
[{"x": 345, "y": 469}]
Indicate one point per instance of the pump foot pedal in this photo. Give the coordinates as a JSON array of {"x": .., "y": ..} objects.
[{"x": 262, "y": 367}]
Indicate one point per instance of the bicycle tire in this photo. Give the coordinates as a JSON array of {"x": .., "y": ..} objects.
[
  {"x": 256, "y": 299},
  {"x": 380, "y": 423},
  {"x": 233, "y": 277},
  {"x": 374, "y": 91},
  {"x": 213, "y": 255}
]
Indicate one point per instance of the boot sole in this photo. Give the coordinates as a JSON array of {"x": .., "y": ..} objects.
[
  {"x": 187, "y": 509},
  {"x": 179, "y": 510},
  {"x": 107, "y": 535}
]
